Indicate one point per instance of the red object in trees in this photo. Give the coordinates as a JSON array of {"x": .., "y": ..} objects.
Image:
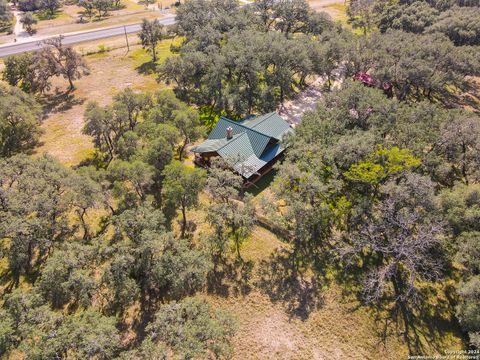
[
  {"x": 367, "y": 80},
  {"x": 364, "y": 78}
]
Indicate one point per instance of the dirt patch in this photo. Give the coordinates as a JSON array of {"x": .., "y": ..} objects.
[
  {"x": 336, "y": 8},
  {"x": 336, "y": 331},
  {"x": 292, "y": 111}
]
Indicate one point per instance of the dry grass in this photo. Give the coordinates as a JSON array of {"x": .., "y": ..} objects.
[
  {"x": 68, "y": 20},
  {"x": 110, "y": 72},
  {"x": 336, "y": 8},
  {"x": 338, "y": 329}
]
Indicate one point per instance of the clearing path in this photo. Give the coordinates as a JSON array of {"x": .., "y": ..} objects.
[
  {"x": 19, "y": 31},
  {"x": 335, "y": 8},
  {"x": 292, "y": 111}
]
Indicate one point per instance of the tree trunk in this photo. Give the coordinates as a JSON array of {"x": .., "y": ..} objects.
[
  {"x": 86, "y": 230},
  {"x": 154, "y": 52},
  {"x": 182, "y": 149},
  {"x": 464, "y": 166},
  {"x": 237, "y": 246},
  {"x": 184, "y": 221},
  {"x": 72, "y": 87}
]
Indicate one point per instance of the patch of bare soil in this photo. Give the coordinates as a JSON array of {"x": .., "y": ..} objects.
[
  {"x": 335, "y": 331},
  {"x": 329, "y": 6}
]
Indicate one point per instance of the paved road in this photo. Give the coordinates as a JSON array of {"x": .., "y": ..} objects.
[{"x": 74, "y": 38}]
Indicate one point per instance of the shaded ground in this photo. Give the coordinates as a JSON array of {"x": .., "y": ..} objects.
[{"x": 293, "y": 110}]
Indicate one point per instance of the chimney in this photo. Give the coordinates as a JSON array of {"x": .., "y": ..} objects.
[{"x": 229, "y": 132}]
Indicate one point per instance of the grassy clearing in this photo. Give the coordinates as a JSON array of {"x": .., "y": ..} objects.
[
  {"x": 66, "y": 15},
  {"x": 339, "y": 7},
  {"x": 46, "y": 18},
  {"x": 338, "y": 329},
  {"x": 111, "y": 71},
  {"x": 339, "y": 12},
  {"x": 334, "y": 326}
]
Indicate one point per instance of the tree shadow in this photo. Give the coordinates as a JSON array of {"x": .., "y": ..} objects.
[
  {"x": 59, "y": 102},
  {"x": 432, "y": 321},
  {"x": 427, "y": 323},
  {"x": 145, "y": 316},
  {"x": 283, "y": 283},
  {"x": 46, "y": 15},
  {"x": 8, "y": 283},
  {"x": 101, "y": 18},
  {"x": 231, "y": 277},
  {"x": 147, "y": 68}
]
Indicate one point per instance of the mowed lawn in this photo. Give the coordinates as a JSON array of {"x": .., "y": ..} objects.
[{"x": 110, "y": 72}]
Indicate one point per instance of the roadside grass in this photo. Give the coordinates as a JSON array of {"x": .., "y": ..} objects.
[
  {"x": 63, "y": 16},
  {"x": 47, "y": 17},
  {"x": 67, "y": 19},
  {"x": 142, "y": 56},
  {"x": 130, "y": 5}
]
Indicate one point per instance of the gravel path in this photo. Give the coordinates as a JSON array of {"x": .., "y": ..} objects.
[
  {"x": 293, "y": 110},
  {"x": 18, "y": 30}
]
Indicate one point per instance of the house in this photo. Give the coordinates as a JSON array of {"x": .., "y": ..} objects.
[{"x": 252, "y": 146}]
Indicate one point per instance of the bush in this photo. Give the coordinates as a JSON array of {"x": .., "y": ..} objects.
[{"x": 29, "y": 5}]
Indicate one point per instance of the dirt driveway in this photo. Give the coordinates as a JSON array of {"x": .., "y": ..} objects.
[{"x": 336, "y": 8}]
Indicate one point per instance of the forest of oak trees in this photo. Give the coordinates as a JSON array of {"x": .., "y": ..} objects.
[{"x": 379, "y": 193}]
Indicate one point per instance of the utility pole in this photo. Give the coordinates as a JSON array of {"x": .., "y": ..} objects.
[{"x": 126, "y": 38}]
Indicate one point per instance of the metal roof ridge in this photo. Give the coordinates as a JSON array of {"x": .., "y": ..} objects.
[
  {"x": 267, "y": 116},
  {"x": 245, "y": 127}
]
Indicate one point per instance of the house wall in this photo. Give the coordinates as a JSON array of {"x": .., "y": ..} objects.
[
  {"x": 264, "y": 170},
  {"x": 203, "y": 160}
]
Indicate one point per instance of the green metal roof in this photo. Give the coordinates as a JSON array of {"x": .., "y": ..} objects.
[
  {"x": 255, "y": 142},
  {"x": 258, "y": 140},
  {"x": 212, "y": 145},
  {"x": 241, "y": 157},
  {"x": 269, "y": 124}
]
